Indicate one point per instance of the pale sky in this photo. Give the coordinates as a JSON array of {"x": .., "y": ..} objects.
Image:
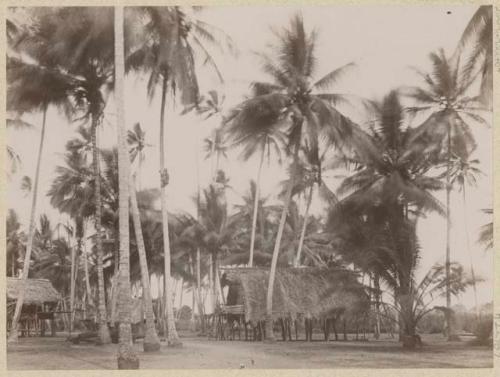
[{"x": 384, "y": 41}]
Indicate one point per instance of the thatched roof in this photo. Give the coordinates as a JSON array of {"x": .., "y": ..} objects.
[
  {"x": 38, "y": 291},
  {"x": 298, "y": 291}
]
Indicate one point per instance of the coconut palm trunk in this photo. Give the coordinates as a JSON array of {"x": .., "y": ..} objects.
[
  {"x": 151, "y": 340},
  {"x": 173, "y": 338},
  {"x": 448, "y": 229},
  {"x": 72, "y": 290},
  {"x": 13, "y": 336},
  {"x": 255, "y": 209},
  {"x": 201, "y": 308},
  {"x": 467, "y": 240},
  {"x": 87, "y": 277},
  {"x": 104, "y": 336},
  {"x": 304, "y": 227},
  {"x": 274, "y": 261},
  {"x": 126, "y": 357}
]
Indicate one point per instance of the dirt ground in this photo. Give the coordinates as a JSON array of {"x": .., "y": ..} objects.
[{"x": 196, "y": 353}]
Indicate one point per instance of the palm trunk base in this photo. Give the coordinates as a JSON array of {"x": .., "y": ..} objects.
[
  {"x": 104, "y": 336},
  {"x": 128, "y": 362},
  {"x": 174, "y": 343},
  {"x": 127, "y": 359},
  {"x": 151, "y": 341},
  {"x": 269, "y": 333},
  {"x": 13, "y": 336}
]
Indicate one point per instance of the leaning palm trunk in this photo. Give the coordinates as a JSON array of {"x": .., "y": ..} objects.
[
  {"x": 29, "y": 247},
  {"x": 173, "y": 338},
  {"x": 126, "y": 357},
  {"x": 304, "y": 227},
  {"x": 151, "y": 340},
  {"x": 466, "y": 224},
  {"x": 274, "y": 261},
  {"x": 255, "y": 209},
  {"x": 104, "y": 337}
]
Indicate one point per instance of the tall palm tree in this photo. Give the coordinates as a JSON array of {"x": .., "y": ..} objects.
[
  {"x": 445, "y": 97},
  {"x": 72, "y": 193},
  {"x": 167, "y": 51},
  {"x": 126, "y": 357},
  {"x": 151, "y": 340},
  {"x": 32, "y": 89},
  {"x": 479, "y": 34},
  {"x": 79, "y": 42},
  {"x": 465, "y": 172},
  {"x": 312, "y": 169},
  {"x": 256, "y": 139},
  {"x": 294, "y": 102}
]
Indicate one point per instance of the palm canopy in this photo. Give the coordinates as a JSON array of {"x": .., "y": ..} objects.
[
  {"x": 32, "y": 87},
  {"x": 292, "y": 93},
  {"x": 72, "y": 190},
  {"x": 464, "y": 171},
  {"x": 167, "y": 46},
  {"x": 77, "y": 42},
  {"x": 478, "y": 35},
  {"x": 444, "y": 100},
  {"x": 136, "y": 139},
  {"x": 395, "y": 169},
  {"x": 312, "y": 168}
]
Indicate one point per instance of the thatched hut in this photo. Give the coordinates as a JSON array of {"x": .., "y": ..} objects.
[
  {"x": 298, "y": 293},
  {"x": 38, "y": 291},
  {"x": 40, "y": 301},
  {"x": 312, "y": 292}
]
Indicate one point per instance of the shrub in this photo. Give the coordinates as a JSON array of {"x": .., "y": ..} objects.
[{"x": 484, "y": 331}]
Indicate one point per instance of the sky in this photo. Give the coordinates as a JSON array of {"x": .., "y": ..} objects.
[{"x": 383, "y": 41}]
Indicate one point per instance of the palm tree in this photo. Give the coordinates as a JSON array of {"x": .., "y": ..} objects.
[
  {"x": 15, "y": 242},
  {"x": 79, "y": 41},
  {"x": 214, "y": 146},
  {"x": 293, "y": 101},
  {"x": 167, "y": 53},
  {"x": 256, "y": 139},
  {"x": 72, "y": 193},
  {"x": 14, "y": 159},
  {"x": 32, "y": 89},
  {"x": 215, "y": 231},
  {"x": 151, "y": 340},
  {"x": 253, "y": 222},
  {"x": 486, "y": 234},
  {"x": 126, "y": 358},
  {"x": 479, "y": 33},
  {"x": 374, "y": 225},
  {"x": 137, "y": 143},
  {"x": 311, "y": 170},
  {"x": 465, "y": 173},
  {"x": 445, "y": 97}
]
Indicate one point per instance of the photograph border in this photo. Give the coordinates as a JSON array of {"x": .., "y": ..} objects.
[{"x": 385, "y": 372}]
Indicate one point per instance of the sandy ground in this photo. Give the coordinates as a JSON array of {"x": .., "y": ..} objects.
[{"x": 196, "y": 353}]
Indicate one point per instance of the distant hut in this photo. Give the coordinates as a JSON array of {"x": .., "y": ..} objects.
[
  {"x": 40, "y": 302},
  {"x": 299, "y": 294}
]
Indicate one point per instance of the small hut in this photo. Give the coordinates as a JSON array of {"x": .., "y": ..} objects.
[
  {"x": 40, "y": 302},
  {"x": 302, "y": 293}
]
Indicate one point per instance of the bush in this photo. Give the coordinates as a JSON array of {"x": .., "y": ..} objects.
[{"x": 484, "y": 331}]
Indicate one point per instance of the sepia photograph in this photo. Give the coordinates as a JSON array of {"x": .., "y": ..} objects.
[{"x": 249, "y": 186}]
